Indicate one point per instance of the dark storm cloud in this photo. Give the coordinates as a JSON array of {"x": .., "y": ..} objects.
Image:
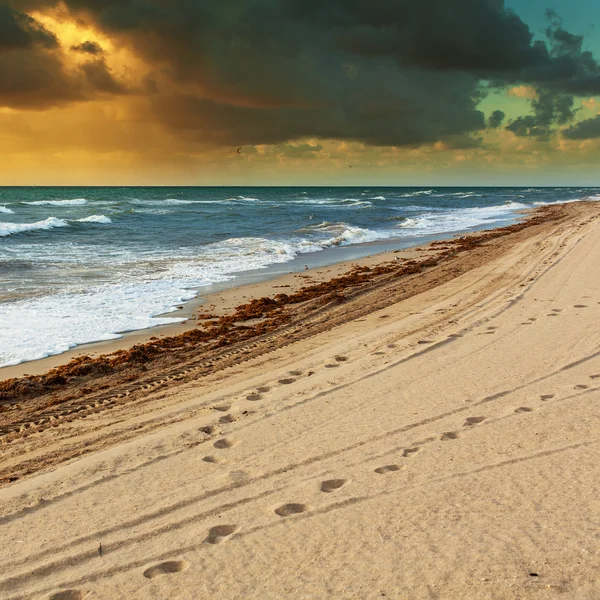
[
  {"x": 31, "y": 74},
  {"x": 32, "y": 69},
  {"x": 496, "y": 119},
  {"x": 584, "y": 130},
  {"x": 384, "y": 72},
  {"x": 18, "y": 31},
  {"x": 88, "y": 48},
  {"x": 550, "y": 110}
]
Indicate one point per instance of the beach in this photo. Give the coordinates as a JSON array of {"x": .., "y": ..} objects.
[{"x": 418, "y": 424}]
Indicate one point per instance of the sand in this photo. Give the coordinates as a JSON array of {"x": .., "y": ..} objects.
[{"x": 437, "y": 437}]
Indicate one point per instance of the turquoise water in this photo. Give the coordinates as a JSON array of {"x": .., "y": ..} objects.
[{"x": 86, "y": 264}]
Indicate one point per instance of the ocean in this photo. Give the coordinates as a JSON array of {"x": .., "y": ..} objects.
[{"x": 79, "y": 265}]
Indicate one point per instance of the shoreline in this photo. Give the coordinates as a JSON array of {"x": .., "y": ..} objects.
[{"x": 225, "y": 296}]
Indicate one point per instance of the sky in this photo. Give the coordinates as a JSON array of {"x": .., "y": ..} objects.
[{"x": 299, "y": 92}]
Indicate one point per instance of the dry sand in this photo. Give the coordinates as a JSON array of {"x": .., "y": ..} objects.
[{"x": 442, "y": 443}]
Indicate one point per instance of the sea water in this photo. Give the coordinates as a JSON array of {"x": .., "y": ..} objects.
[{"x": 79, "y": 265}]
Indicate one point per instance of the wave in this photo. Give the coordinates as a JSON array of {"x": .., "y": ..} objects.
[
  {"x": 327, "y": 235},
  {"x": 331, "y": 202},
  {"x": 7, "y": 211},
  {"x": 175, "y": 201},
  {"x": 151, "y": 211},
  {"x": 165, "y": 202},
  {"x": 72, "y": 202},
  {"x": 450, "y": 220},
  {"x": 39, "y": 327},
  {"x": 49, "y": 223},
  {"x": 7, "y": 229},
  {"x": 95, "y": 219}
]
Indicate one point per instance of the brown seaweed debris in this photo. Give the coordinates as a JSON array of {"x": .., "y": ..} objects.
[{"x": 267, "y": 314}]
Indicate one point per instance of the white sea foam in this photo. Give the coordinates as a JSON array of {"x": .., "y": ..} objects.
[
  {"x": 72, "y": 202},
  {"x": 165, "y": 202},
  {"x": 449, "y": 220},
  {"x": 49, "y": 223},
  {"x": 331, "y": 202},
  {"x": 40, "y": 327},
  {"x": 340, "y": 234},
  {"x": 95, "y": 219},
  {"x": 152, "y": 211},
  {"x": 7, "y": 211}
]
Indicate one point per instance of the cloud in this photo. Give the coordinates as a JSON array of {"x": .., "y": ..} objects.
[
  {"x": 34, "y": 73},
  {"x": 496, "y": 119},
  {"x": 550, "y": 109},
  {"x": 584, "y": 130},
  {"x": 385, "y": 73},
  {"x": 100, "y": 79},
  {"x": 19, "y": 31},
  {"x": 88, "y": 47}
]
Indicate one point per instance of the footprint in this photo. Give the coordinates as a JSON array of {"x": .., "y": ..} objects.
[
  {"x": 378, "y": 353},
  {"x": 166, "y": 568},
  {"x": 489, "y": 333},
  {"x": 491, "y": 328},
  {"x": 220, "y": 533},
  {"x": 594, "y": 376},
  {"x": 455, "y": 335},
  {"x": 409, "y": 452},
  {"x": 523, "y": 409},
  {"x": 223, "y": 407},
  {"x": 225, "y": 443},
  {"x": 216, "y": 460},
  {"x": 557, "y": 310},
  {"x": 264, "y": 389},
  {"x": 232, "y": 418},
  {"x": 582, "y": 387},
  {"x": 387, "y": 469},
  {"x": 552, "y": 315},
  {"x": 287, "y": 510},
  {"x": 473, "y": 421},
  {"x": 423, "y": 342},
  {"x": 342, "y": 358},
  {"x": 332, "y": 485},
  {"x": 211, "y": 429},
  {"x": 286, "y": 381},
  {"x": 296, "y": 373},
  {"x": 68, "y": 595},
  {"x": 331, "y": 366},
  {"x": 392, "y": 346},
  {"x": 546, "y": 397},
  {"x": 449, "y": 435},
  {"x": 254, "y": 397},
  {"x": 580, "y": 306}
]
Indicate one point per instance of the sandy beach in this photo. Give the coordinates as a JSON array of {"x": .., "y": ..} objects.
[{"x": 425, "y": 427}]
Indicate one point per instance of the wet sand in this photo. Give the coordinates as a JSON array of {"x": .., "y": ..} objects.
[{"x": 426, "y": 434}]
